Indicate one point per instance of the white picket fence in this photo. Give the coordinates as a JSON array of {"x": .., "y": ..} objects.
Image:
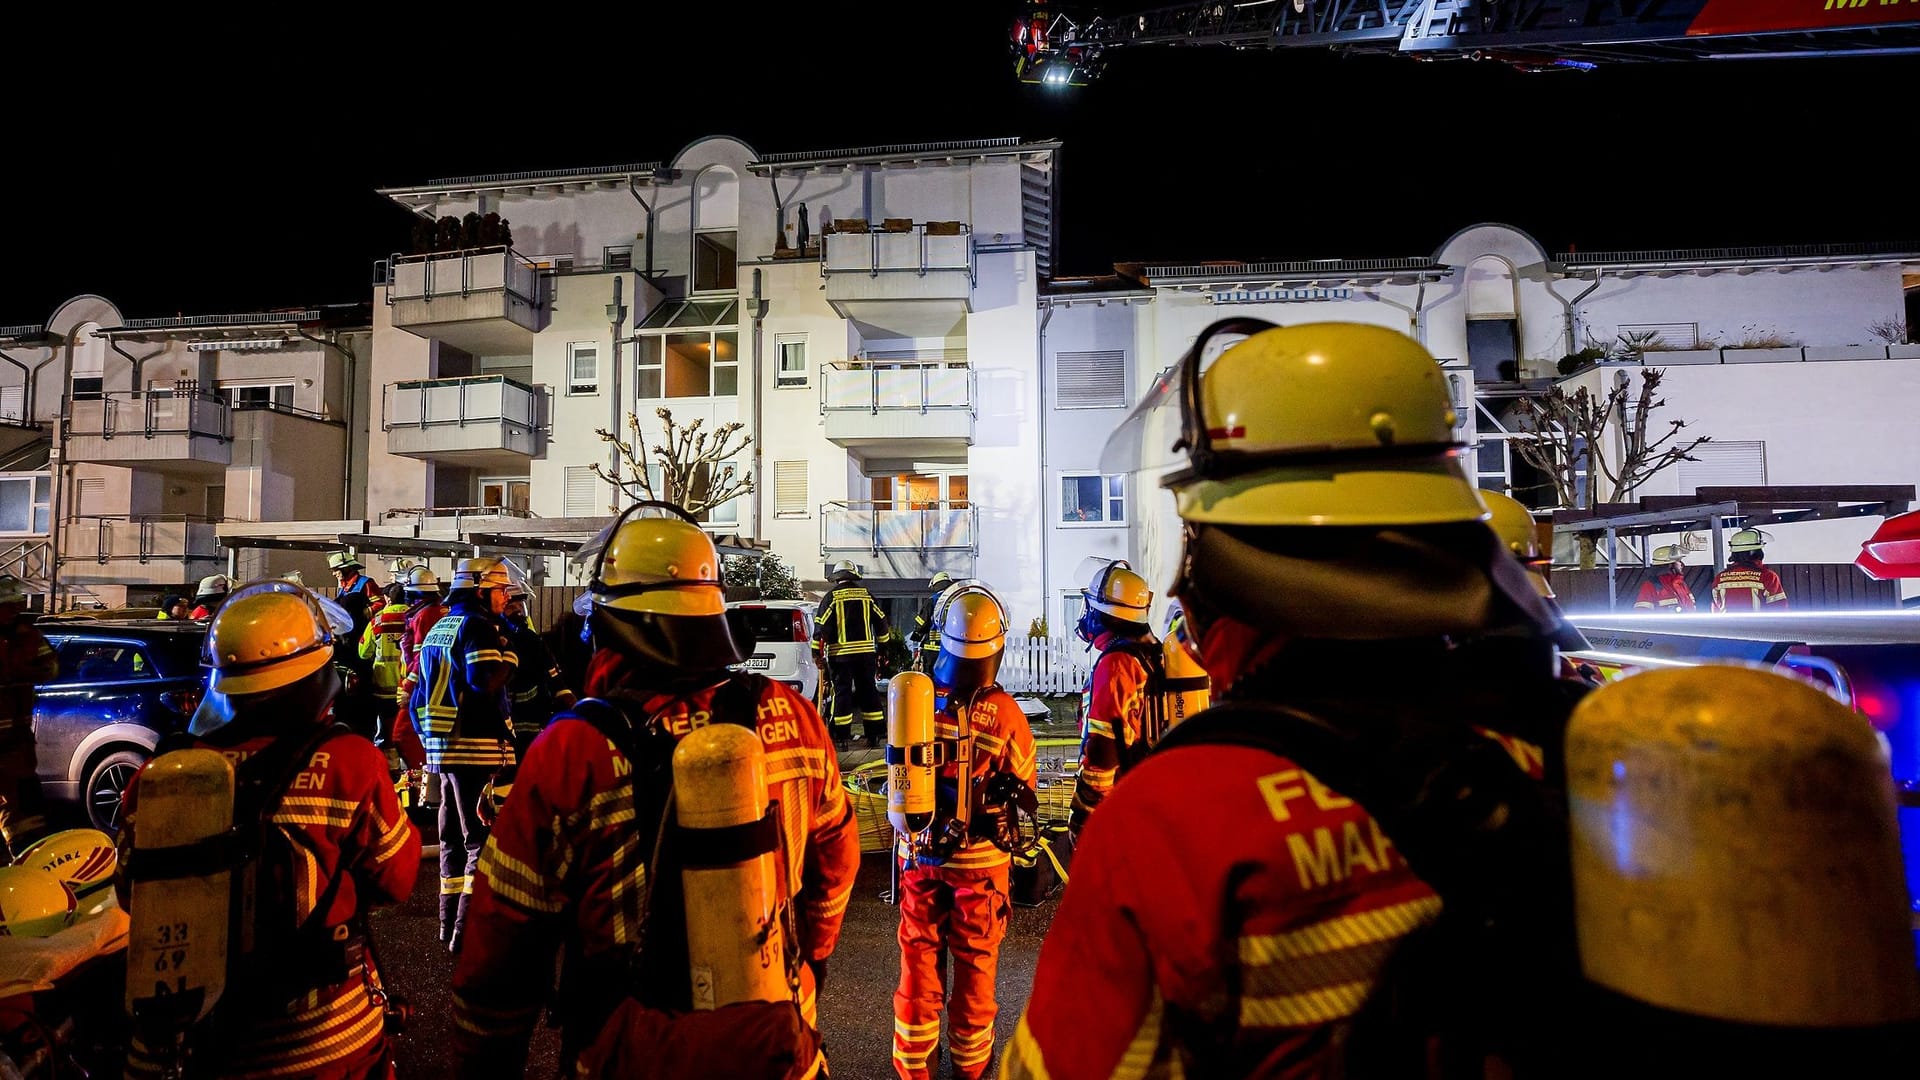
[{"x": 1045, "y": 666}]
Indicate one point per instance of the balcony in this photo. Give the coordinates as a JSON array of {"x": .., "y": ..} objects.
[
  {"x": 167, "y": 549},
  {"x": 906, "y": 279},
  {"x": 883, "y": 528},
  {"x": 484, "y": 301},
  {"x": 158, "y": 430},
  {"x": 922, "y": 411},
  {"x": 484, "y": 420}
]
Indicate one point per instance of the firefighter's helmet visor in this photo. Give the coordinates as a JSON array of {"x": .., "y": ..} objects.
[{"x": 1154, "y": 437}]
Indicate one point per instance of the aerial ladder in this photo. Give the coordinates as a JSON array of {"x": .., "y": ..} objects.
[{"x": 1064, "y": 46}]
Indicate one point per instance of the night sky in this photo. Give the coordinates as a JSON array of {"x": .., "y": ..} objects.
[{"x": 233, "y": 168}]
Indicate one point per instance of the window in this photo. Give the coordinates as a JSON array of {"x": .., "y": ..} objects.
[
  {"x": 791, "y": 369},
  {"x": 583, "y": 368},
  {"x": 1090, "y": 380},
  {"x": 258, "y": 394},
  {"x": 504, "y": 493},
  {"x": 1093, "y": 499},
  {"x": 582, "y": 494},
  {"x": 715, "y": 261},
  {"x": 1725, "y": 464},
  {"x": 617, "y": 258},
  {"x": 23, "y": 503},
  {"x": 690, "y": 365},
  {"x": 919, "y": 491},
  {"x": 789, "y": 489},
  {"x": 102, "y": 661},
  {"x": 88, "y": 388},
  {"x": 13, "y": 403},
  {"x": 89, "y": 496}
]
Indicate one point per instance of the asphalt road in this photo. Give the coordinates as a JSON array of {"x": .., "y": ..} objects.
[{"x": 856, "y": 1008}]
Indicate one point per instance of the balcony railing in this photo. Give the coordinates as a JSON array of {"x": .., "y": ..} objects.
[
  {"x": 474, "y": 399},
  {"x": 423, "y": 516},
  {"x": 153, "y": 414},
  {"x": 149, "y": 538},
  {"x": 916, "y": 386},
  {"x": 935, "y": 525},
  {"x": 910, "y": 250},
  {"x": 463, "y": 273}
]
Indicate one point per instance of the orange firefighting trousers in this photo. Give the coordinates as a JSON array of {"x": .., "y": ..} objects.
[{"x": 962, "y": 912}]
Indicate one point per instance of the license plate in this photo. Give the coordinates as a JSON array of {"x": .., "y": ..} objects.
[{"x": 760, "y": 663}]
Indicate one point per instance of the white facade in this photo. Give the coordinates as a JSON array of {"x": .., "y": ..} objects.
[
  {"x": 920, "y": 399},
  {"x": 1834, "y": 408},
  {"x": 149, "y": 433},
  {"x": 886, "y": 368}
]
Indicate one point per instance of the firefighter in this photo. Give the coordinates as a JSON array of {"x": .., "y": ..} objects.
[
  {"x": 424, "y": 609},
  {"x": 380, "y": 650},
  {"x": 26, "y": 660},
  {"x": 851, "y": 625},
  {"x": 568, "y": 862},
  {"x": 537, "y": 690},
  {"x": 463, "y": 716},
  {"x": 318, "y": 1009},
  {"x": 1667, "y": 591},
  {"x": 211, "y": 593},
  {"x": 176, "y": 607},
  {"x": 349, "y": 574},
  {"x": 1118, "y": 715},
  {"x": 926, "y": 636},
  {"x": 953, "y": 896},
  {"x": 1748, "y": 583},
  {"x": 1229, "y": 911}
]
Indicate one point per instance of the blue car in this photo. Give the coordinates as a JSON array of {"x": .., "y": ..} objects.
[{"x": 122, "y": 684}]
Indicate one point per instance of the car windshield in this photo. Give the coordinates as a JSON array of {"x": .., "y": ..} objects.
[{"x": 774, "y": 624}]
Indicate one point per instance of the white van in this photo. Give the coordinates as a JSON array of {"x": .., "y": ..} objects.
[{"x": 783, "y": 642}]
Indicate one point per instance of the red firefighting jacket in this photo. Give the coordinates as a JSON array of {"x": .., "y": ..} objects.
[
  {"x": 1667, "y": 593},
  {"x": 420, "y": 620},
  {"x": 343, "y": 824},
  {"x": 1221, "y": 888},
  {"x": 1002, "y": 742},
  {"x": 564, "y": 864},
  {"x": 1114, "y": 708},
  {"x": 1749, "y": 587}
]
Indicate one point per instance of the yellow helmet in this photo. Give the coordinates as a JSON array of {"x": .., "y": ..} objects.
[
  {"x": 845, "y": 571},
  {"x": 1118, "y": 591},
  {"x": 1747, "y": 540},
  {"x": 940, "y": 581},
  {"x": 34, "y": 902},
  {"x": 1513, "y": 523},
  {"x": 83, "y": 858},
  {"x": 342, "y": 560},
  {"x": 268, "y": 634},
  {"x": 1668, "y": 553},
  {"x": 656, "y": 592},
  {"x": 12, "y": 590},
  {"x": 973, "y": 637},
  {"x": 1319, "y": 424}
]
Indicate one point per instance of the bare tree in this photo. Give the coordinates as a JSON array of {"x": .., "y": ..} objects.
[
  {"x": 693, "y": 473},
  {"x": 1565, "y": 433}
]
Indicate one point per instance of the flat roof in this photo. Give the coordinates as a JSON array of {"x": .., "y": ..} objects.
[
  {"x": 533, "y": 178},
  {"x": 1787, "y": 255}
]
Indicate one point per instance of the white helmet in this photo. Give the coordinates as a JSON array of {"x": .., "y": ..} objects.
[
  {"x": 482, "y": 573},
  {"x": 213, "y": 585},
  {"x": 423, "y": 582}
]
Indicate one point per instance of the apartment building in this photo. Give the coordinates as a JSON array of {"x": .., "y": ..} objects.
[
  {"x": 923, "y": 395},
  {"x": 868, "y": 315},
  {"x": 125, "y": 443},
  {"x": 1826, "y": 398}
]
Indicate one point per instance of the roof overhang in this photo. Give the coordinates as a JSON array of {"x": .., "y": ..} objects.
[
  {"x": 539, "y": 182},
  {"x": 1254, "y": 279},
  {"x": 905, "y": 155},
  {"x": 1743, "y": 260},
  {"x": 257, "y": 330}
]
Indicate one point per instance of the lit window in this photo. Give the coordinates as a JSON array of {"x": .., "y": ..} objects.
[
  {"x": 1093, "y": 499},
  {"x": 701, "y": 364}
]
